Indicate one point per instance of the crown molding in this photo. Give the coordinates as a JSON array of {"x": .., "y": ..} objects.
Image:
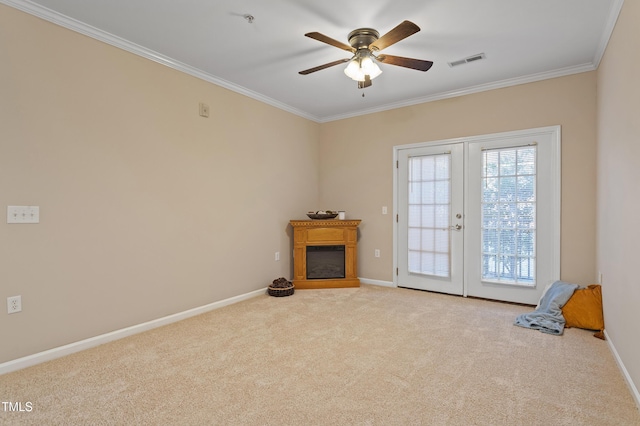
[
  {"x": 100, "y": 35},
  {"x": 532, "y": 78},
  {"x": 614, "y": 13},
  {"x": 95, "y": 33}
]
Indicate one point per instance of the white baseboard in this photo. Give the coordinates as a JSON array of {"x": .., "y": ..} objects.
[
  {"x": 377, "y": 282},
  {"x": 48, "y": 355},
  {"x": 632, "y": 387}
]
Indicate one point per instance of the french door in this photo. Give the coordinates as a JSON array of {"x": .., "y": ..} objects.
[
  {"x": 431, "y": 215},
  {"x": 479, "y": 216}
]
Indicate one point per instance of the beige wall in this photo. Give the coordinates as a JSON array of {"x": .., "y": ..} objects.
[
  {"x": 618, "y": 194},
  {"x": 146, "y": 208},
  {"x": 357, "y": 164}
]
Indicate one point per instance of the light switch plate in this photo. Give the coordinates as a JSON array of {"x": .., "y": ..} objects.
[
  {"x": 23, "y": 214},
  {"x": 14, "y": 304}
]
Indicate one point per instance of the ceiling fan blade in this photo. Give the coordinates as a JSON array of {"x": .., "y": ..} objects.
[
  {"x": 321, "y": 67},
  {"x": 323, "y": 38},
  {"x": 416, "y": 64},
  {"x": 402, "y": 31}
]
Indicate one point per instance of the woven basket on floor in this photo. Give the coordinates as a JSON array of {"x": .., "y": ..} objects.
[{"x": 279, "y": 292}]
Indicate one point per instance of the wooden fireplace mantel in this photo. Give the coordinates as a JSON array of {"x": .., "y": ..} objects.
[{"x": 325, "y": 233}]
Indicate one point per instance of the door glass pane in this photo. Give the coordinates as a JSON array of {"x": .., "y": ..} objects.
[
  {"x": 430, "y": 215},
  {"x": 509, "y": 215}
]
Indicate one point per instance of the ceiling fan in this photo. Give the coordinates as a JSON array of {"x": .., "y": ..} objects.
[{"x": 364, "y": 43}]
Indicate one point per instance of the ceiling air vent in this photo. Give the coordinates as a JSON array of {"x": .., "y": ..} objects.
[{"x": 473, "y": 58}]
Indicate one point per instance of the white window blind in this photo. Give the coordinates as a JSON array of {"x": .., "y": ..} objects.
[
  {"x": 509, "y": 215},
  {"x": 429, "y": 215}
]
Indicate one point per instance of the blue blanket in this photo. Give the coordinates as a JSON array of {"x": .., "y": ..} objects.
[{"x": 548, "y": 315}]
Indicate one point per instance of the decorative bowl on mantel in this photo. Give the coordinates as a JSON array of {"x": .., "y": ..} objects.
[{"x": 322, "y": 214}]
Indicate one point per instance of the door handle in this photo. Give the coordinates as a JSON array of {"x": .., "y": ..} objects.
[{"x": 456, "y": 227}]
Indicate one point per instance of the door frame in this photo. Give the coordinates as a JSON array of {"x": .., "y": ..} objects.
[
  {"x": 454, "y": 283},
  {"x": 554, "y": 131}
]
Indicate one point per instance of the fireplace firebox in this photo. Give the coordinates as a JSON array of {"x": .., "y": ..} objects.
[
  {"x": 325, "y": 262},
  {"x": 325, "y": 253}
]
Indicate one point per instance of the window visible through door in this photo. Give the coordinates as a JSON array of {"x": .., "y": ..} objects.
[
  {"x": 428, "y": 214},
  {"x": 509, "y": 215}
]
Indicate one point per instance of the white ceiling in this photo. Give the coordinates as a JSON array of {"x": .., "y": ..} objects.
[{"x": 523, "y": 40}]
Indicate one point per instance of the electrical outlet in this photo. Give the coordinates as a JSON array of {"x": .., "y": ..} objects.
[
  {"x": 376, "y": 253},
  {"x": 204, "y": 110},
  {"x": 14, "y": 304}
]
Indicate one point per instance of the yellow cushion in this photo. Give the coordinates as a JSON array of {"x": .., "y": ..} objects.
[{"x": 584, "y": 309}]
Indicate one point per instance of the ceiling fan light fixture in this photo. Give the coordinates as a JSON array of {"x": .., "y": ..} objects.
[
  {"x": 353, "y": 69},
  {"x": 364, "y": 43},
  {"x": 370, "y": 68},
  {"x": 362, "y": 65}
]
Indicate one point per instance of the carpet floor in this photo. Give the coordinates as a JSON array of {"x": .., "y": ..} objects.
[{"x": 362, "y": 356}]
